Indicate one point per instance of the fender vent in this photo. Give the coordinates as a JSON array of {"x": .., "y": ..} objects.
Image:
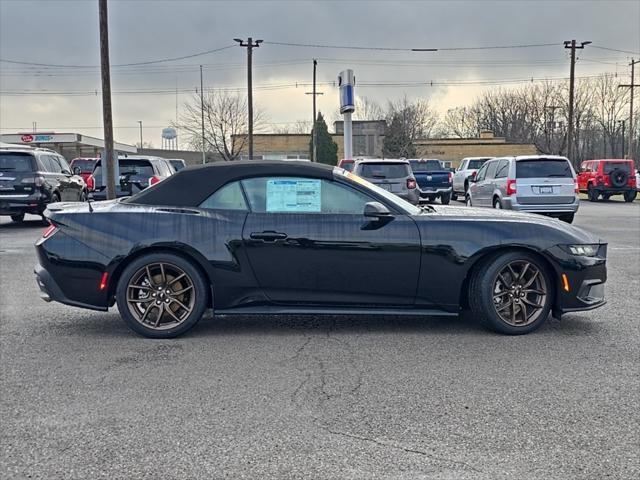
[{"x": 178, "y": 210}]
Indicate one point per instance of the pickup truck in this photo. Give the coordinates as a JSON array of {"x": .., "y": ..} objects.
[
  {"x": 468, "y": 168},
  {"x": 434, "y": 181}
]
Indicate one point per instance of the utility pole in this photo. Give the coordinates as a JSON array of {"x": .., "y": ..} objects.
[
  {"x": 204, "y": 157},
  {"x": 572, "y": 45},
  {"x": 249, "y": 45},
  {"x": 621, "y": 123},
  {"x": 632, "y": 85},
  {"x": 108, "y": 159},
  {"x": 314, "y": 137},
  {"x": 140, "y": 122}
]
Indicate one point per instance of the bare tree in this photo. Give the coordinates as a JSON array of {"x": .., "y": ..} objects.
[
  {"x": 460, "y": 122},
  {"x": 367, "y": 109},
  {"x": 298, "y": 127},
  {"x": 408, "y": 122},
  {"x": 225, "y": 123}
]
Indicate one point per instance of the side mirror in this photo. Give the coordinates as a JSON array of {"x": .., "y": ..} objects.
[
  {"x": 376, "y": 210},
  {"x": 77, "y": 171}
]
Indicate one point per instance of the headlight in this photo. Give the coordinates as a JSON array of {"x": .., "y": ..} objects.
[{"x": 584, "y": 250}]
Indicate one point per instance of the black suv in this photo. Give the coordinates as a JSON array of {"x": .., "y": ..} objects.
[
  {"x": 136, "y": 173},
  {"x": 31, "y": 178}
]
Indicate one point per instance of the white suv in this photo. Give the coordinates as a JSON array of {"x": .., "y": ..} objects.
[{"x": 468, "y": 167}]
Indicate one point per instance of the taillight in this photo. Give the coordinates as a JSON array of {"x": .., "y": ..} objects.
[
  {"x": 153, "y": 180},
  {"x": 450, "y": 177},
  {"x": 411, "y": 183},
  {"x": 50, "y": 230},
  {"x": 91, "y": 183},
  {"x": 37, "y": 181},
  {"x": 511, "y": 187}
]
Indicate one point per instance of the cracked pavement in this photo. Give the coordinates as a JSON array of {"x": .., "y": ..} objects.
[{"x": 81, "y": 396}]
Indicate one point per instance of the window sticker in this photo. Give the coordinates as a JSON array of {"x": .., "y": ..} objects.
[{"x": 293, "y": 195}]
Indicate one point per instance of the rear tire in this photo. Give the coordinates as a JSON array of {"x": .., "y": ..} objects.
[
  {"x": 179, "y": 290},
  {"x": 511, "y": 293},
  {"x": 630, "y": 195},
  {"x": 445, "y": 198},
  {"x": 567, "y": 217},
  {"x": 18, "y": 217},
  {"x": 592, "y": 193},
  {"x": 497, "y": 204},
  {"x": 454, "y": 196}
]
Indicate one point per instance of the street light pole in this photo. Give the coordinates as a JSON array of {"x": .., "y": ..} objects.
[
  {"x": 249, "y": 45},
  {"x": 204, "y": 158},
  {"x": 140, "y": 122},
  {"x": 314, "y": 137},
  {"x": 572, "y": 45}
]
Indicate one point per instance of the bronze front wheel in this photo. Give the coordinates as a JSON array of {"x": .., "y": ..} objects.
[{"x": 519, "y": 293}]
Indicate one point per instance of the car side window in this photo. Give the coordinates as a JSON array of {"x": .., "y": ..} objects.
[
  {"x": 303, "y": 195},
  {"x": 503, "y": 169},
  {"x": 463, "y": 165},
  {"x": 63, "y": 164},
  {"x": 55, "y": 165},
  {"x": 229, "y": 197},
  {"x": 46, "y": 163},
  {"x": 481, "y": 173},
  {"x": 491, "y": 170}
]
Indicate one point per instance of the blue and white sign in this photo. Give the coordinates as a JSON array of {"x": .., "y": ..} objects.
[{"x": 347, "y": 82}]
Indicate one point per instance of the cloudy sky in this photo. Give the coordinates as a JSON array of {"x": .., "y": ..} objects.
[{"x": 65, "y": 97}]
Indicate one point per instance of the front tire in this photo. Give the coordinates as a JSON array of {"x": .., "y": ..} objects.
[
  {"x": 161, "y": 295},
  {"x": 454, "y": 196},
  {"x": 18, "y": 217},
  {"x": 511, "y": 293},
  {"x": 592, "y": 194},
  {"x": 467, "y": 200}
]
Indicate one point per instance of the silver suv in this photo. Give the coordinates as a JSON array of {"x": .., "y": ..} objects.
[
  {"x": 392, "y": 175},
  {"x": 538, "y": 183},
  {"x": 468, "y": 167}
]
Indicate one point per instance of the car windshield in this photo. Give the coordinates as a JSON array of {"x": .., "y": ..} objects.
[
  {"x": 348, "y": 166},
  {"x": 475, "y": 164},
  {"x": 426, "y": 166},
  {"x": 394, "y": 199},
  {"x": 16, "y": 162},
  {"x": 177, "y": 164},
  {"x": 543, "y": 168},
  {"x": 609, "y": 167},
  {"x": 85, "y": 165},
  {"x": 384, "y": 170},
  {"x": 134, "y": 168}
]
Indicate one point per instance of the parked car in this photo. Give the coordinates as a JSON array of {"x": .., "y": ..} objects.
[
  {"x": 32, "y": 178},
  {"x": 608, "y": 177},
  {"x": 209, "y": 237},
  {"x": 347, "y": 164},
  {"x": 468, "y": 168},
  {"x": 434, "y": 180},
  {"x": 135, "y": 174},
  {"x": 537, "y": 183},
  {"x": 83, "y": 166},
  {"x": 177, "y": 163},
  {"x": 393, "y": 175}
]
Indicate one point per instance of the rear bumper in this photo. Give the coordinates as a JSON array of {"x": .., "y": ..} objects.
[
  {"x": 510, "y": 203},
  {"x": 51, "y": 291},
  {"x": 428, "y": 191},
  {"x": 16, "y": 204},
  {"x": 411, "y": 196},
  {"x": 614, "y": 190}
]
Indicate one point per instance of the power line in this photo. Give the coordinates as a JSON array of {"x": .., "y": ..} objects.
[
  {"x": 615, "y": 50},
  {"x": 149, "y": 62}
]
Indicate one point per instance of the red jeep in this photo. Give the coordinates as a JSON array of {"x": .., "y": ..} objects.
[{"x": 608, "y": 177}]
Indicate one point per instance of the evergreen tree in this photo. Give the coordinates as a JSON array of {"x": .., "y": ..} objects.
[{"x": 326, "y": 148}]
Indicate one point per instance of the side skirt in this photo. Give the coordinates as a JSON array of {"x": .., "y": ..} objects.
[{"x": 280, "y": 310}]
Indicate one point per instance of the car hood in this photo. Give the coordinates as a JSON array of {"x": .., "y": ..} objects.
[{"x": 473, "y": 214}]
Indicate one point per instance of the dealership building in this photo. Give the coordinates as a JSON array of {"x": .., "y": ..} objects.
[{"x": 69, "y": 145}]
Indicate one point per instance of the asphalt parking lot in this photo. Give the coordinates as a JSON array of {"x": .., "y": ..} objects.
[{"x": 321, "y": 397}]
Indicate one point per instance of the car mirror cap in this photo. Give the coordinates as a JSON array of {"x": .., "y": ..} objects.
[{"x": 376, "y": 210}]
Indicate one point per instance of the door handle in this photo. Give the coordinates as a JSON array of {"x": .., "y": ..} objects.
[{"x": 268, "y": 236}]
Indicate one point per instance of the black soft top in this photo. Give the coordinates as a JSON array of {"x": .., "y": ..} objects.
[{"x": 193, "y": 185}]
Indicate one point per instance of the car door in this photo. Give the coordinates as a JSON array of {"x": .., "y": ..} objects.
[
  {"x": 308, "y": 241},
  {"x": 459, "y": 177},
  {"x": 482, "y": 187},
  {"x": 500, "y": 177},
  {"x": 73, "y": 184}
]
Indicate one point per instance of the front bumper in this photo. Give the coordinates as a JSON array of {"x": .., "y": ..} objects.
[
  {"x": 34, "y": 203},
  {"x": 585, "y": 279}
]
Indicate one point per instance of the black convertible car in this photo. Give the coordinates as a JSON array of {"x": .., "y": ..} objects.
[{"x": 296, "y": 237}]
